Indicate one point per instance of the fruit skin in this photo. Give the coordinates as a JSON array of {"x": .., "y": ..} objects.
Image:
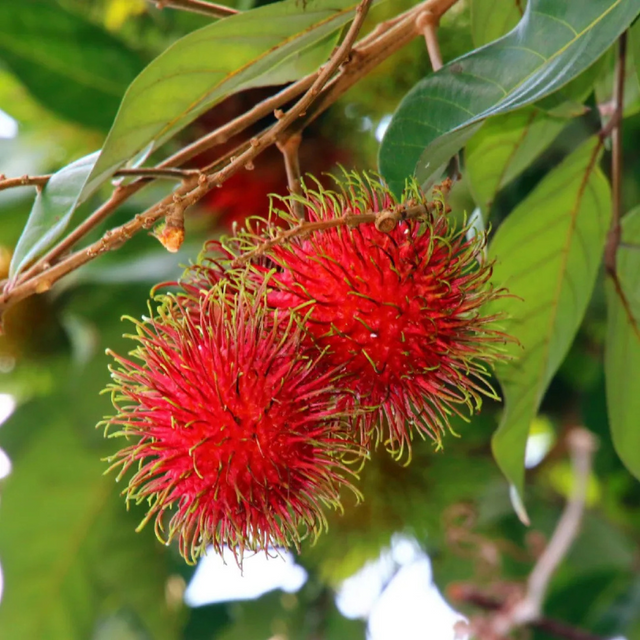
[
  {"x": 235, "y": 435},
  {"x": 399, "y": 313}
]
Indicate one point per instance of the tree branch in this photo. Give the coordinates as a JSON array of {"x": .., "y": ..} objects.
[
  {"x": 428, "y": 23},
  {"x": 350, "y": 64},
  {"x": 470, "y": 595},
  {"x": 290, "y": 152},
  {"x": 197, "y": 6},
  {"x": 615, "y": 232},
  {"x": 23, "y": 181},
  {"x": 151, "y": 172},
  {"x": 385, "y": 220},
  {"x": 525, "y": 609}
]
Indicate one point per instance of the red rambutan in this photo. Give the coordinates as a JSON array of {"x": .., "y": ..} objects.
[
  {"x": 398, "y": 313},
  {"x": 236, "y": 437}
]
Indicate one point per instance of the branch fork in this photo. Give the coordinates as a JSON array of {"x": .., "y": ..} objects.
[{"x": 347, "y": 65}]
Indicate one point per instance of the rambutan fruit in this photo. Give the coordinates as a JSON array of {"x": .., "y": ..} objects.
[
  {"x": 399, "y": 313},
  {"x": 235, "y": 436}
]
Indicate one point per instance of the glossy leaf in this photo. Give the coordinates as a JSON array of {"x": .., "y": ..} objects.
[
  {"x": 547, "y": 254},
  {"x": 51, "y": 212},
  {"x": 255, "y": 48},
  {"x": 71, "y": 65},
  {"x": 553, "y": 43},
  {"x": 69, "y": 552},
  {"x": 504, "y": 147},
  {"x": 491, "y": 19},
  {"x": 622, "y": 355}
]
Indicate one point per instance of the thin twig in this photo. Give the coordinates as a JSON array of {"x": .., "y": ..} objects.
[
  {"x": 614, "y": 238},
  {"x": 392, "y": 216},
  {"x": 372, "y": 50},
  {"x": 582, "y": 445},
  {"x": 428, "y": 23},
  {"x": 151, "y": 172},
  {"x": 124, "y": 192},
  {"x": 290, "y": 152},
  {"x": 197, "y": 6},
  {"x": 241, "y": 123},
  {"x": 470, "y": 595},
  {"x": 386, "y": 39},
  {"x": 23, "y": 181},
  {"x": 615, "y": 231},
  {"x": 158, "y": 172}
]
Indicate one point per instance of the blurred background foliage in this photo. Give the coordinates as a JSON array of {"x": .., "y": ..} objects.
[{"x": 73, "y": 565}]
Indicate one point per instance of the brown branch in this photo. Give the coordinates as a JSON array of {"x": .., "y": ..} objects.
[
  {"x": 354, "y": 64},
  {"x": 614, "y": 238},
  {"x": 389, "y": 218},
  {"x": 524, "y": 608},
  {"x": 290, "y": 152},
  {"x": 151, "y": 172},
  {"x": 428, "y": 23},
  {"x": 23, "y": 181},
  {"x": 158, "y": 172},
  {"x": 241, "y": 123},
  {"x": 470, "y": 595},
  {"x": 196, "y": 6},
  {"x": 615, "y": 232},
  {"x": 582, "y": 446},
  {"x": 386, "y": 39},
  {"x": 123, "y": 193}
]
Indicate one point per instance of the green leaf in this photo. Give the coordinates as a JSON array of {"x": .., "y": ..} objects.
[
  {"x": 504, "y": 147},
  {"x": 255, "y": 48},
  {"x": 51, "y": 212},
  {"x": 622, "y": 353},
  {"x": 547, "y": 253},
  {"x": 634, "y": 46},
  {"x": 70, "y": 555},
  {"x": 69, "y": 64},
  {"x": 568, "y": 102},
  {"x": 491, "y": 19},
  {"x": 553, "y": 43}
]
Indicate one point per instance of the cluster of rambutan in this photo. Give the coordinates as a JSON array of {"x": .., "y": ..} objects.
[{"x": 284, "y": 357}]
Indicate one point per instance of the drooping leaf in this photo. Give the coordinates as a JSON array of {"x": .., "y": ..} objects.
[
  {"x": 69, "y": 552},
  {"x": 504, "y": 147},
  {"x": 255, "y": 48},
  {"x": 491, "y": 19},
  {"x": 51, "y": 212},
  {"x": 553, "y": 43},
  {"x": 622, "y": 354},
  {"x": 547, "y": 254},
  {"x": 72, "y": 66}
]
